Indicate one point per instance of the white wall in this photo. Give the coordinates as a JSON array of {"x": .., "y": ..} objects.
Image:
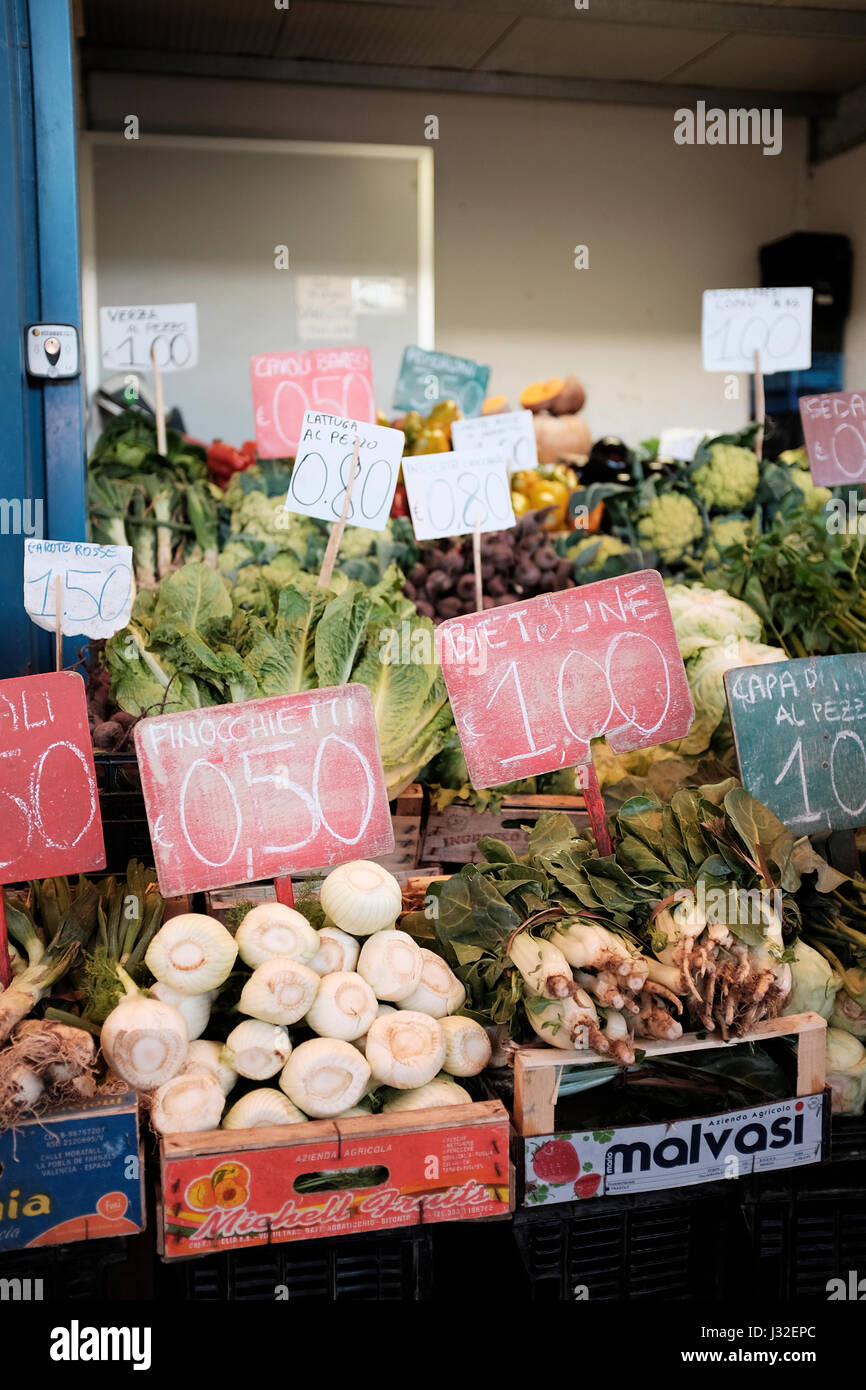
[
  {"x": 836, "y": 202},
  {"x": 518, "y": 184}
]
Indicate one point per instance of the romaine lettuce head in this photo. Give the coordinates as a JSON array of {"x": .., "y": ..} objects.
[{"x": 704, "y": 617}]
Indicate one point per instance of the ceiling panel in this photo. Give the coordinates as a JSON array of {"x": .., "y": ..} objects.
[
  {"x": 778, "y": 64},
  {"x": 191, "y": 26},
  {"x": 347, "y": 33},
  {"x": 579, "y": 48}
]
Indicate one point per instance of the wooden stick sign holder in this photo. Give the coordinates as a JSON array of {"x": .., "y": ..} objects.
[
  {"x": 159, "y": 403},
  {"x": 760, "y": 405},
  {"x": 330, "y": 557},
  {"x": 594, "y": 799},
  {"x": 476, "y": 563}
]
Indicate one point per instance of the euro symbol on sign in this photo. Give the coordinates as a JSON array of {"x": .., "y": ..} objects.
[{"x": 164, "y": 844}]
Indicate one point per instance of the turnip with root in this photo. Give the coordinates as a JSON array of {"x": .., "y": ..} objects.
[
  {"x": 45, "y": 1064},
  {"x": 568, "y": 1023}
]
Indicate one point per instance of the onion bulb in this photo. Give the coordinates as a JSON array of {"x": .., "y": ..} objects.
[
  {"x": 467, "y": 1046},
  {"x": 439, "y": 992},
  {"x": 144, "y": 1040},
  {"x": 405, "y": 1049},
  {"x": 273, "y": 929},
  {"x": 194, "y": 1007},
  {"x": 337, "y": 951},
  {"x": 325, "y": 1076},
  {"x": 391, "y": 963},
  {"x": 256, "y": 1050},
  {"x": 361, "y": 897},
  {"x": 261, "y": 1108},
  {"x": 344, "y": 1007},
  {"x": 192, "y": 953},
  {"x": 279, "y": 991},
  {"x": 204, "y": 1056},
  {"x": 440, "y": 1091},
  {"x": 187, "y": 1104}
]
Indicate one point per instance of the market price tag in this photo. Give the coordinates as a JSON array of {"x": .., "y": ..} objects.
[
  {"x": 777, "y": 324},
  {"x": 449, "y": 493},
  {"x": 286, "y": 385},
  {"x": 834, "y": 428},
  {"x": 96, "y": 587},
  {"x": 799, "y": 731},
  {"x": 531, "y": 684},
  {"x": 511, "y": 434},
  {"x": 248, "y": 791},
  {"x": 323, "y": 466},
  {"x": 50, "y": 807},
  {"x": 129, "y": 331},
  {"x": 682, "y": 444},
  {"x": 427, "y": 377}
]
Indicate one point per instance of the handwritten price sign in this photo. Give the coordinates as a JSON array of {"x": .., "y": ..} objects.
[
  {"x": 129, "y": 331},
  {"x": 256, "y": 790},
  {"x": 97, "y": 588},
  {"x": 531, "y": 684},
  {"x": 775, "y": 323},
  {"x": 834, "y": 428},
  {"x": 50, "y": 808},
  {"x": 511, "y": 434},
  {"x": 336, "y": 381},
  {"x": 323, "y": 464},
  {"x": 448, "y": 493}
]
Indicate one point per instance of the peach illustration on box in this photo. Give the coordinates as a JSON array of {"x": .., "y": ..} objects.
[{"x": 227, "y": 1186}]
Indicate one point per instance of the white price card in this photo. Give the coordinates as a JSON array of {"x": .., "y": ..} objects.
[
  {"x": 97, "y": 586},
  {"x": 128, "y": 331},
  {"x": 448, "y": 492},
  {"x": 775, "y": 323},
  {"x": 682, "y": 444},
  {"x": 511, "y": 434},
  {"x": 321, "y": 472}
]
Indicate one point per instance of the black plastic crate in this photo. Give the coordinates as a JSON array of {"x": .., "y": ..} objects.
[
  {"x": 848, "y": 1138},
  {"x": 386, "y": 1266},
  {"x": 666, "y": 1245},
  {"x": 121, "y": 805},
  {"x": 86, "y": 1271}
]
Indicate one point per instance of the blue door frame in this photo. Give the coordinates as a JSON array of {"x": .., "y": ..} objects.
[{"x": 41, "y": 423}]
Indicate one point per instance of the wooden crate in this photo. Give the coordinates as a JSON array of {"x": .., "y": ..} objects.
[
  {"x": 451, "y": 836},
  {"x": 228, "y": 1189},
  {"x": 788, "y": 1133}
]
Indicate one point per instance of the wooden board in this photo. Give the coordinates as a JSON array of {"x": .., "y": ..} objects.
[
  {"x": 532, "y": 683},
  {"x": 800, "y": 734},
  {"x": 264, "y": 788},
  {"x": 834, "y": 428},
  {"x": 538, "y": 1070},
  {"x": 49, "y": 806},
  {"x": 448, "y": 1164},
  {"x": 451, "y": 836}
]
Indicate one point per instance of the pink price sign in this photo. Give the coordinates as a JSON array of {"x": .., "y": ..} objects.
[
  {"x": 337, "y": 381},
  {"x": 834, "y": 428}
]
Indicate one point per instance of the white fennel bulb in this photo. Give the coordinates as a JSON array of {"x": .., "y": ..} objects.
[
  {"x": 273, "y": 929},
  {"x": 325, "y": 1076},
  {"x": 438, "y": 992},
  {"x": 391, "y": 963},
  {"x": 144, "y": 1040},
  {"x": 357, "y": 1112},
  {"x": 405, "y": 1049},
  {"x": 202, "y": 1055},
  {"x": 187, "y": 1104},
  {"x": 279, "y": 990},
  {"x": 337, "y": 951},
  {"x": 361, "y": 897},
  {"x": 438, "y": 1092},
  {"x": 383, "y": 1009},
  {"x": 256, "y": 1050},
  {"x": 192, "y": 953},
  {"x": 194, "y": 1007},
  {"x": 344, "y": 1006},
  {"x": 467, "y": 1046},
  {"x": 261, "y": 1108}
]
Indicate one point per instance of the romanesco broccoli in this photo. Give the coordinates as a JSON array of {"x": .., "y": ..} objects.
[
  {"x": 725, "y": 531},
  {"x": 814, "y": 497},
  {"x": 599, "y": 550},
  {"x": 670, "y": 524},
  {"x": 729, "y": 478}
]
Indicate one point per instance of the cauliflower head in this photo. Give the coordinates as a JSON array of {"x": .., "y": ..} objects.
[
  {"x": 599, "y": 549},
  {"x": 705, "y": 617},
  {"x": 729, "y": 478},
  {"x": 670, "y": 524},
  {"x": 706, "y": 672}
]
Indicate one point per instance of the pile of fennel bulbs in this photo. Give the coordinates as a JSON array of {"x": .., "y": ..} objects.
[{"x": 368, "y": 1009}]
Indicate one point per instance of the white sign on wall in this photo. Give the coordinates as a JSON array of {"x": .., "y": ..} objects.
[{"x": 326, "y": 312}]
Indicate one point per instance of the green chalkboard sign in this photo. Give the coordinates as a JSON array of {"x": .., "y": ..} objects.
[
  {"x": 427, "y": 377},
  {"x": 800, "y": 734}
]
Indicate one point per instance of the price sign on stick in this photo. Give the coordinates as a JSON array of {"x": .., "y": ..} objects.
[
  {"x": 427, "y": 377},
  {"x": 450, "y": 493},
  {"x": 96, "y": 586},
  {"x": 323, "y": 467},
  {"x": 834, "y": 427},
  {"x": 775, "y": 324},
  {"x": 800, "y": 735},
  {"x": 531, "y": 684},
  {"x": 129, "y": 333},
  {"x": 511, "y": 434},
  {"x": 256, "y": 790},
  {"x": 286, "y": 385}
]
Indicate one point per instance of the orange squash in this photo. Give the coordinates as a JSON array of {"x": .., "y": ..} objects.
[{"x": 541, "y": 394}]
